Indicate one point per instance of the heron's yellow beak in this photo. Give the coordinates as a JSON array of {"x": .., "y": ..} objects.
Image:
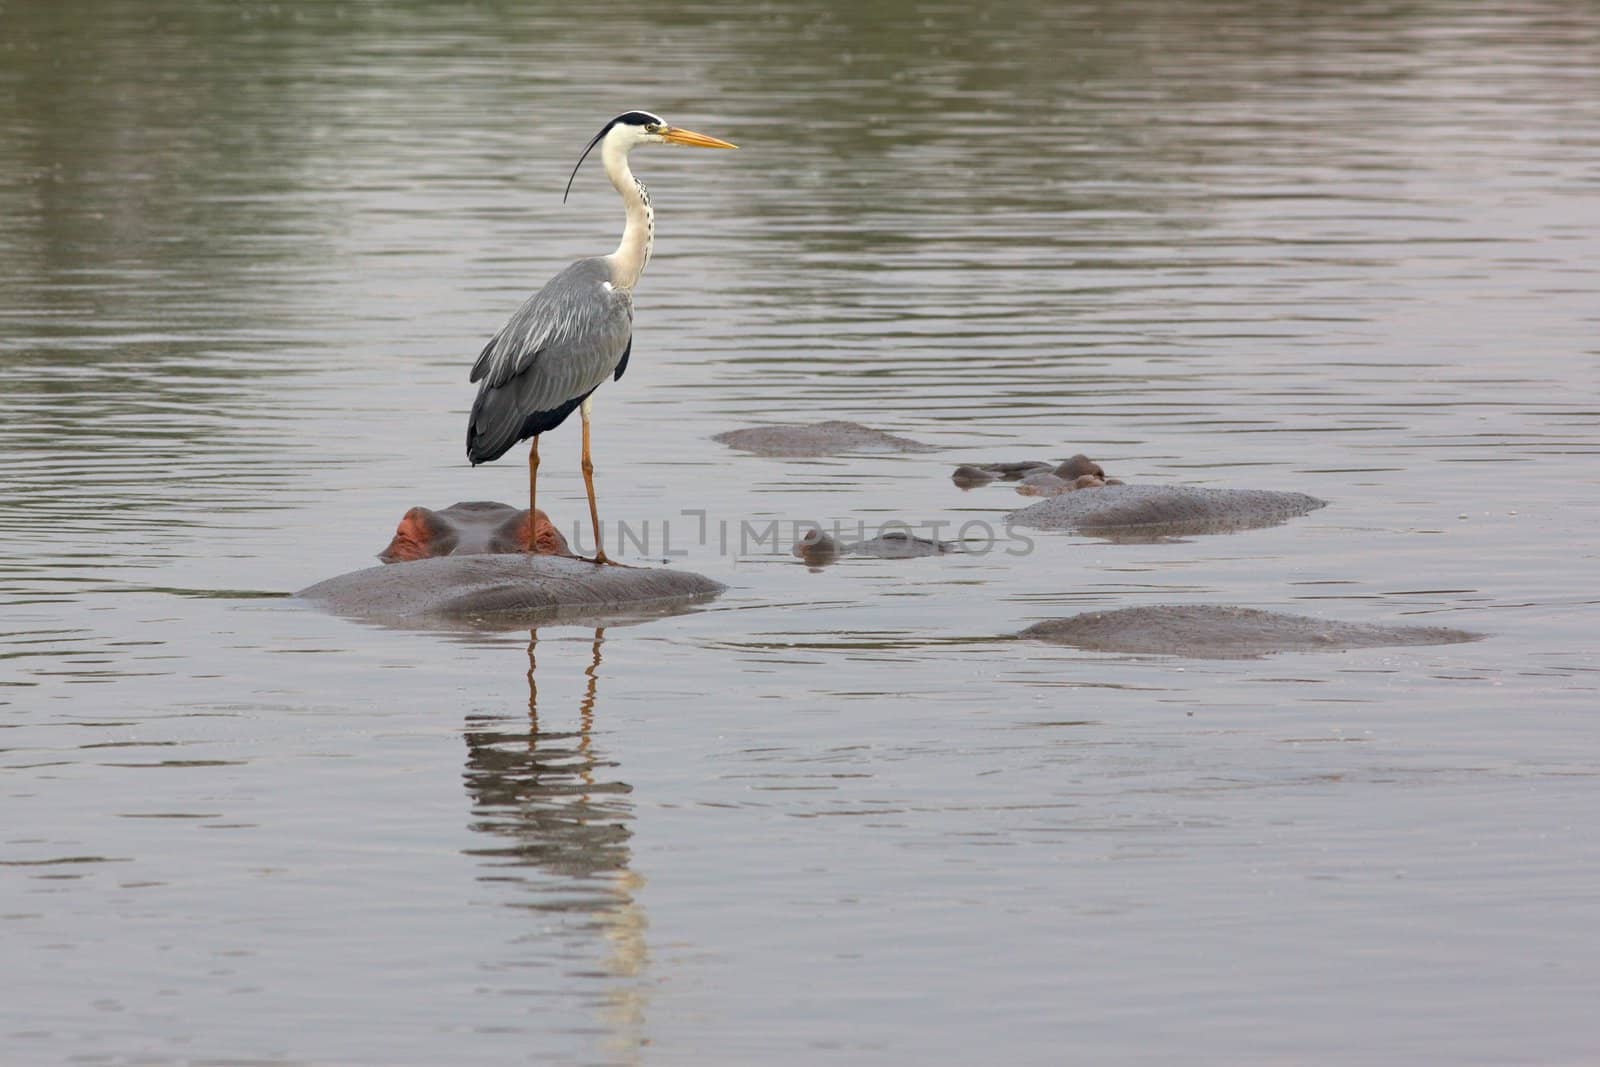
[{"x": 674, "y": 135}]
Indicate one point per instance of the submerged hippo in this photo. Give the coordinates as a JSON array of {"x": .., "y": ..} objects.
[
  {"x": 1078, "y": 472},
  {"x": 470, "y": 565},
  {"x": 504, "y": 591},
  {"x": 817, "y": 439},
  {"x": 818, "y": 549},
  {"x": 1036, "y": 477},
  {"x": 1081, "y": 498},
  {"x": 1218, "y": 631},
  {"x": 1149, "y": 513}
]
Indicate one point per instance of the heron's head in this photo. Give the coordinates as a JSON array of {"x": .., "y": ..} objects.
[{"x": 634, "y": 128}]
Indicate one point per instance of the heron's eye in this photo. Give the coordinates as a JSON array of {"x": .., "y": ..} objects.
[{"x": 655, "y": 127}]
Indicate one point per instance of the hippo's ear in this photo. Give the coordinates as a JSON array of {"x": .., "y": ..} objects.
[
  {"x": 547, "y": 539},
  {"x": 421, "y": 534},
  {"x": 535, "y": 533}
]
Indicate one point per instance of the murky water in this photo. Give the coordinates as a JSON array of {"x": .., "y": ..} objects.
[{"x": 246, "y": 257}]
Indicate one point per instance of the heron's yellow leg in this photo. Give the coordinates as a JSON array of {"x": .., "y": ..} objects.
[
  {"x": 588, "y": 484},
  {"x": 533, "y": 494}
]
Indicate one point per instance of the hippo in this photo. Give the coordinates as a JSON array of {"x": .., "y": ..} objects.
[
  {"x": 505, "y": 591},
  {"x": 469, "y": 566},
  {"x": 1082, "y": 498},
  {"x": 818, "y": 549},
  {"x": 817, "y": 439},
  {"x": 1038, "y": 477},
  {"x": 1151, "y": 513},
  {"x": 1219, "y": 631}
]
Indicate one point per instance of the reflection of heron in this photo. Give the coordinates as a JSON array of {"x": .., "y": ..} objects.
[
  {"x": 564, "y": 822},
  {"x": 577, "y": 331}
]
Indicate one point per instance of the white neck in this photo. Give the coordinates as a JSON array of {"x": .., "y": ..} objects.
[{"x": 629, "y": 260}]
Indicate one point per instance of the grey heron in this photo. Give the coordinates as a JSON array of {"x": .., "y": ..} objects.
[{"x": 570, "y": 336}]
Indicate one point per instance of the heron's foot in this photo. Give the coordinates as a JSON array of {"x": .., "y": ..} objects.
[{"x": 600, "y": 559}]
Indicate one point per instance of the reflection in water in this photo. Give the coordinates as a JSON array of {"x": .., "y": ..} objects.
[{"x": 561, "y": 818}]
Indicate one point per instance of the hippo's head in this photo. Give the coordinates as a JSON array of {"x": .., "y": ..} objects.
[
  {"x": 473, "y": 528},
  {"x": 816, "y": 548}
]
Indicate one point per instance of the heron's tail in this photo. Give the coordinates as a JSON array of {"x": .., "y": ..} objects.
[
  {"x": 498, "y": 421},
  {"x": 492, "y": 426}
]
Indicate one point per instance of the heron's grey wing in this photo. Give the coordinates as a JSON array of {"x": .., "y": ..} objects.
[{"x": 558, "y": 347}]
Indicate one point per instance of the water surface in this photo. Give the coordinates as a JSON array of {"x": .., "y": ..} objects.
[{"x": 246, "y": 257}]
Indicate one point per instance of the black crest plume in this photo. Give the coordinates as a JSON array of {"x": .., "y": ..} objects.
[{"x": 632, "y": 118}]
